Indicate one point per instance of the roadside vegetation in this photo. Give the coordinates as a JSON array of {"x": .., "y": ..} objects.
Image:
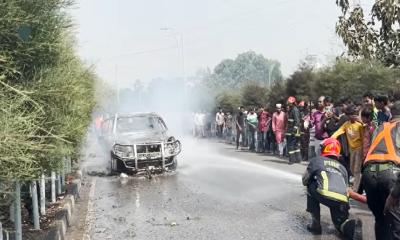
[{"x": 46, "y": 91}]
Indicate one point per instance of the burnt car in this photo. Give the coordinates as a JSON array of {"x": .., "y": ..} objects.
[{"x": 139, "y": 142}]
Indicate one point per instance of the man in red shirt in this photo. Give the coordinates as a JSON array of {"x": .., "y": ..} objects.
[{"x": 263, "y": 127}]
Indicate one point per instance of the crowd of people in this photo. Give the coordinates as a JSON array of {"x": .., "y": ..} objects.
[
  {"x": 364, "y": 134},
  {"x": 295, "y": 129}
]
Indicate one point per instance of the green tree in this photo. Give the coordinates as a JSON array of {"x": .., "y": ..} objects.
[
  {"x": 374, "y": 38},
  {"x": 228, "y": 100},
  {"x": 254, "y": 95},
  {"x": 352, "y": 80},
  {"x": 299, "y": 84},
  {"x": 277, "y": 94},
  {"x": 245, "y": 68}
]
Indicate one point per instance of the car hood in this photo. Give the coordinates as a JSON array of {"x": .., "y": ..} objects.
[{"x": 140, "y": 137}]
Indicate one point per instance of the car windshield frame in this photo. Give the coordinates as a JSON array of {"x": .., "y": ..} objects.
[{"x": 139, "y": 123}]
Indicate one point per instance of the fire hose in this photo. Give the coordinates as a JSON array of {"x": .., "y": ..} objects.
[{"x": 358, "y": 197}]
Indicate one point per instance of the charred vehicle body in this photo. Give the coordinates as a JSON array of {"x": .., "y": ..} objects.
[{"x": 140, "y": 142}]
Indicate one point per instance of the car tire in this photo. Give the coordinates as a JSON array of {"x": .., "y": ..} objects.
[
  {"x": 113, "y": 166},
  {"x": 174, "y": 164}
]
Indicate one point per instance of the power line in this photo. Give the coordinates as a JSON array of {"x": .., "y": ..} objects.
[{"x": 141, "y": 52}]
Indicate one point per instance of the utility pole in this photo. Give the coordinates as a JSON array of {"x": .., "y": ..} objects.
[
  {"x": 180, "y": 44},
  {"x": 117, "y": 83},
  {"x": 270, "y": 73}
]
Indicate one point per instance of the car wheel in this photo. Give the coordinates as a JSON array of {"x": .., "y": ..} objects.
[
  {"x": 113, "y": 166},
  {"x": 174, "y": 164}
]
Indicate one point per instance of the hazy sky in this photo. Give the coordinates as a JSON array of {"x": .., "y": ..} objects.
[{"x": 123, "y": 38}]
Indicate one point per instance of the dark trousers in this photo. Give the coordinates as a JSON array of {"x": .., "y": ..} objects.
[
  {"x": 271, "y": 141},
  {"x": 220, "y": 129},
  {"x": 252, "y": 132},
  {"x": 304, "y": 145},
  {"x": 293, "y": 148},
  {"x": 378, "y": 185},
  {"x": 238, "y": 134},
  {"x": 262, "y": 141},
  {"x": 339, "y": 210}
]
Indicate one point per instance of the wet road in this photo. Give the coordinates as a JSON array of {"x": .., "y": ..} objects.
[{"x": 217, "y": 193}]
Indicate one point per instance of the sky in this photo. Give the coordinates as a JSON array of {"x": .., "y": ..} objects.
[{"x": 128, "y": 40}]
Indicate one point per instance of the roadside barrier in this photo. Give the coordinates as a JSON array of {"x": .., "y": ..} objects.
[{"x": 16, "y": 196}]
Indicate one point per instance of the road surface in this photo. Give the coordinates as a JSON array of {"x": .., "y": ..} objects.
[{"x": 216, "y": 193}]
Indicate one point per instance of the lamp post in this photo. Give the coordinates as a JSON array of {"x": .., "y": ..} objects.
[
  {"x": 270, "y": 73},
  {"x": 179, "y": 43}
]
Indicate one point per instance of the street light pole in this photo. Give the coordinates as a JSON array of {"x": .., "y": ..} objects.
[
  {"x": 178, "y": 40},
  {"x": 270, "y": 73}
]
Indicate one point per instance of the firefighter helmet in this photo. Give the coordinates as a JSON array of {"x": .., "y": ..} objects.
[{"x": 330, "y": 147}]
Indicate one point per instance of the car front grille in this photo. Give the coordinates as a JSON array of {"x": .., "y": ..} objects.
[
  {"x": 149, "y": 151},
  {"x": 148, "y": 148}
]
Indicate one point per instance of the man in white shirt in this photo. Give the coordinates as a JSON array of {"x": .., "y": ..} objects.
[{"x": 220, "y": 120}]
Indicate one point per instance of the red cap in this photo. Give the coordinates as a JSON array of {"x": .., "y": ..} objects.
[
  {"x": 291, "y": 99},
  {"x": 330, "y": 147}
]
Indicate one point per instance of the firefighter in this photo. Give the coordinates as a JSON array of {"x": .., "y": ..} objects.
[
  {"x": 293, "y": 131},
  {"x": 380, "y": 179},
  {"x": 326, "y": 180},
  {"x": 304, "y": 130}
]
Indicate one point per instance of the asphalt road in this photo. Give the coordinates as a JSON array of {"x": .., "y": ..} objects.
[{"x": 216, "y": 193}]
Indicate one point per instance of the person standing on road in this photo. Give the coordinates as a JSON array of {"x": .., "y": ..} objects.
[
  {"x": 382, "y": 104},
  {"x": 263, "y": 125},
  {"x": 342, "y": 119},
  {"x": 240, "y": 120},
  {"x": 201, "y": 123},
  {"x": 229, "y": 126},
  {"x": 369, "y": 129},
  {"x": 317, "y": 121},
  {"x": 270, "y": 146},
  {"x": 220, "y": 121},
  {"x": 381, "y": 180},
  {"x": 327, "y": 183},
  {"x": 293, "y": 131},
  {"x": 369, "y": 101},
  {"x": 304, "y": 130},
  {"x": 328, "y": 104},
  {"x": 353, "y": 129},
  {"x": 279, "y": 127},
  {"x": 252, "y": 122}
]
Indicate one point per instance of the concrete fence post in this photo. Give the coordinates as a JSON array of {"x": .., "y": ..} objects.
[
  {"x": 1, "y": 232},
  {"x": 53, "y": 187},
  {"x": 42, "y": 195},
  {"x": 69, "y": 164},
  {"x": 63, "y": 174},
  {"x": 62, "y": 181},
  {"x": 59, "y": 183},
  {"x": 35, "y": 206},
  {"x": 17, "y": 208},
  {"x": 12, "y": 212}
]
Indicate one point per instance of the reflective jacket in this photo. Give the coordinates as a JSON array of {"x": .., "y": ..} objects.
[
  {"x": 329, "y": 177},
  {"x": 293, "y": 121},
  {"x": 385, "y": 146}
]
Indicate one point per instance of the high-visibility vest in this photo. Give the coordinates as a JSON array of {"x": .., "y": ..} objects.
[{"x": 383, "y": 147}]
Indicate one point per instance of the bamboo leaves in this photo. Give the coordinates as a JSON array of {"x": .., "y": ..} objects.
[{"x": 46, "y": 92}]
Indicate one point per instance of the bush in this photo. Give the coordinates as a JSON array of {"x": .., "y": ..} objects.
[
  {"x": 343, "y": 79},
  {"x": 254, "y": 95},
  {"x": 46, "y": 92},
  {"x": 228, "y": 100}
]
